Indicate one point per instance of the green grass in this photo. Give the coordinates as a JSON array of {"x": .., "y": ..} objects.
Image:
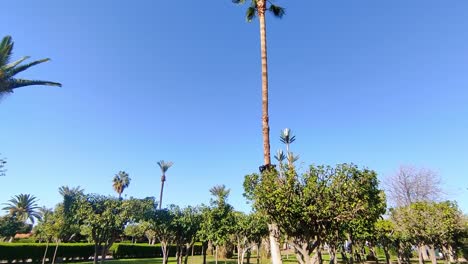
[{"x": 191, "y": 260}]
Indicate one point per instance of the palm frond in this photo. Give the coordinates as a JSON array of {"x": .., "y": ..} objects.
[
  {"x": 280, "y": 156},
  {"x": 14, "y": 64},
  {"x": 16, "y": 83},
  {"x": 164, "y": 165},
  {"x": 6, "y": 47},
  {"x": 292, "y": 158},
  {"x": 277, "y": 11},
  {"x": 238, "y": 1},
  {"x": 12, "y": 72},
  {"x": 286, "y": 136},
  {"x": 250, "y": 13}
]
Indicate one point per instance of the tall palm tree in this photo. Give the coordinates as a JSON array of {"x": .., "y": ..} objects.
[
  {"x": 120, "y": 182},
  {"x": 164, "y": 166},
  {"x": 258, "y": 8},
  {"x": 8, "y": 69},
  {"x": 23, "y": 207}
]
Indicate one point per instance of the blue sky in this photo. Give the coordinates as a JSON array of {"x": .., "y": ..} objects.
[{"x": 376, "y": 83}]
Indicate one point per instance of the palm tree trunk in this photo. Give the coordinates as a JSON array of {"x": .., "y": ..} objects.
[
  {"x": 261, "y": 7},
  {"x": 161, "y": 194},
  {"x": 263, "y": 48}
]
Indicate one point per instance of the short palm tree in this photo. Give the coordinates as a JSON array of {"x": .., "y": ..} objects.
[
  {"x": 70, "y": 191},
  {"x": 120, "y": 182},
  {"x": 8, "y": 70},
  {"x": 23, "y": 207},
  {"x": 220, "y": 192},
  {"x": 164, "y": 166}
]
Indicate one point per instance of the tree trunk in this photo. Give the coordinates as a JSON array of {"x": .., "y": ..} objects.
[
  {"x": 96, "y": 249},
  {"x": 424, "y": 252},
  {"x": 187, "y": 250},
  {"x": 258, "y": 252},
  {"x": 216, "y": 254},
  {"x": 204, "y": 248},
  {"x": 165, "y": 252},
  {"x": 432, "y": 254},
  {"x": 420, "y": 255},
  {"x": 344, "y": 257},
  {"x": 274, "y": 244},
  {"x": 45, "y": 253},
  {"x": 332, "y": 253},
  {"x": 162, "y": 189},
  {"x": 261, "y": 7},
  {"x": 55, "y": 251},
  {"x": 249, "y": 254},
  {"x": 103, "y": 253},
  {"x": 387, "y": 255}
]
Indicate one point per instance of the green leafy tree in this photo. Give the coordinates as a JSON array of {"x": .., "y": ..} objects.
[
  {"x": 9, "y": 70},
  {"x": 23, "y": 207},
  {"x": 135, "y": 231},
  {"x": 52, "y": 227},
  {"x": 164, "y": 166},
  {"x": 249, "y": 230},
  {"x": 435, "y": 224},
  {"x": 103, "y": 219},
  {"x": 186, "y": 224},
  {"x": 120, "y": 182},
  {"x": 307, "y": 207},
  {"x": 10, "y": 226},
  {"x": 218, "y": 220},
  {"x": 384, "y": 236},
  {"x": 162, "y": 225}
]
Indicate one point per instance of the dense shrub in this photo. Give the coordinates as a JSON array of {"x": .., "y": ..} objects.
[{"x": 34, "y": 251}]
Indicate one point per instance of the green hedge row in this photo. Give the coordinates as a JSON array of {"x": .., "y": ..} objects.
[
  {"x": 22, "y": 252},
  {"x": 146, "y": 251}
]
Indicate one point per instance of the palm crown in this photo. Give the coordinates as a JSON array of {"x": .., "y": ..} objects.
[
  {"x": 120, "y": 182},
  {"x": 8, "y": 70},
  {"x": 23, "y": 207},
  {"x": 261, "y": 6}
]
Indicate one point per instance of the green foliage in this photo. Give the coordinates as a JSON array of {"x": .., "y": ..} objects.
[
  {"x": 430, "y": 223},
  {"x": 23, "y": 207},
  {"x": 218, "y": 219},
  {"x": 10, "y": 225},
  {"x": 8, "y": 70},
  {"x": 260, "y": 6},
  {"x": 24, "y": 251},
  {"x": 320, "y": 205}
]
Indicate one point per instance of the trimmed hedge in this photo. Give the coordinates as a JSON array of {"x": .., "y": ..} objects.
[
  {"x": 22, "y": 252},
  {"x": 146, "y": 251}
]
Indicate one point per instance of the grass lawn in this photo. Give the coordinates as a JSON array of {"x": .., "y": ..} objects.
[{"x": 191, "y": 260}]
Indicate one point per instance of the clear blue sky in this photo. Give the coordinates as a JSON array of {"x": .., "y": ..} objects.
[{"x": 376, "y": 83}]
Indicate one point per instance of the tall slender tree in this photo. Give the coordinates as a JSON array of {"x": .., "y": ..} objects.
[
  {"x": 120, "y": 182},
  {"x": 23, "y": 207},
  {"x": 258, "y": 8},
  {"x": 8, "y": 70},
  {"x": 164, "y": 166}
]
